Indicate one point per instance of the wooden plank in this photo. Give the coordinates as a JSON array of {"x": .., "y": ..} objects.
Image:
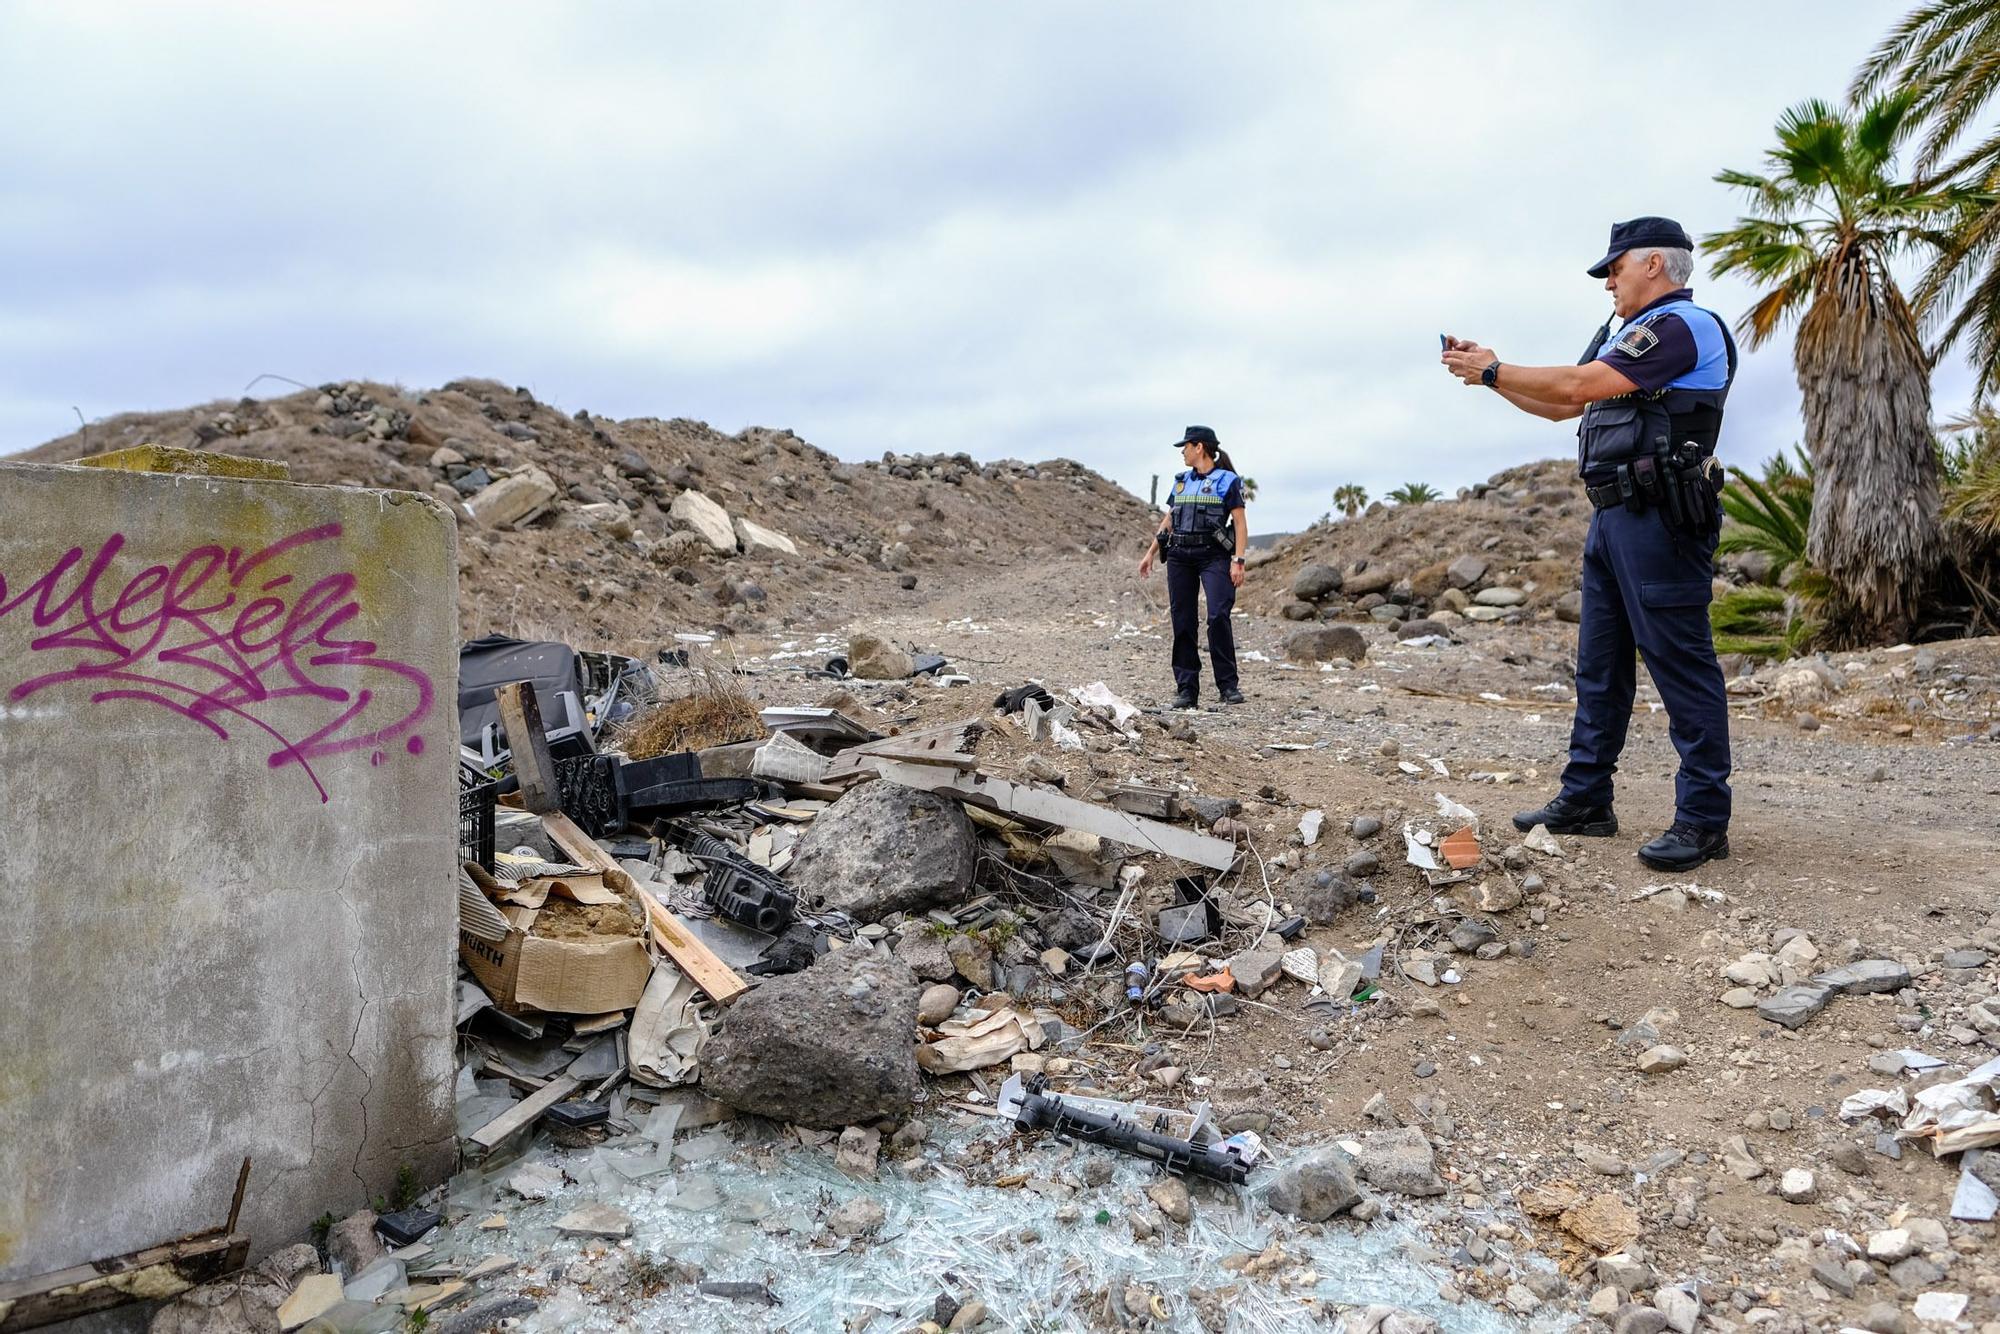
[
  {"x": 703, "y": 967},
  {"x": 524, "y": 1112},
  {"x": 1158, "y": 803},
  {"x": 521, "y": 715},
  {"x": 157, "y": 1271},
  {"x": 1052, "y": 808}
]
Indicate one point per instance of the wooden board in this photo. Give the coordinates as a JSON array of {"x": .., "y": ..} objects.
[
  {"x": 158, "y": 1271},
  {"x": 1051, "y": 808},
  {"x": 524, "y": 1112},
  {"x": 703, "y": 967},
  {"x": 522, "y": 717}
]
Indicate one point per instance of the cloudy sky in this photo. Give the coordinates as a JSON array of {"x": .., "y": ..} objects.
[{"x": 1024, "y": 230}]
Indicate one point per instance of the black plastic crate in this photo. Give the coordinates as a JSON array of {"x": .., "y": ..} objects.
[{"x": 475, "y": 822}]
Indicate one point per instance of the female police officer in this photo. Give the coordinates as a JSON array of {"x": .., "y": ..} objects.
[{"x": 1204, "y": 534}]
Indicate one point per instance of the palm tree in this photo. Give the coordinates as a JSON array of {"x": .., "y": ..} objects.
[
  {"x": 1945, "y": 57},
  {"x": 1415, "y": 493},
  {"x": 1350, "y": 498},
  {"x": 1249, "y": 489},
  {"x": 1824, "y": 224}
]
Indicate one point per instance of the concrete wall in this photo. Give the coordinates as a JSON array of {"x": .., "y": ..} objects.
[{"x": 228, "y": 739}]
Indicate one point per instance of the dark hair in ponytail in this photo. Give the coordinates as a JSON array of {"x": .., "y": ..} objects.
[{"x": 1222, "y": 459}]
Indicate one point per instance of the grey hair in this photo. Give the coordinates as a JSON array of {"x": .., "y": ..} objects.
[{"x": 1679, "y": 264}]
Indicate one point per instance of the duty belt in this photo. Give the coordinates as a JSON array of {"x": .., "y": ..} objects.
[
  {"x": 1179, "y": 541},
  {"x": 1604, "y": 497}
]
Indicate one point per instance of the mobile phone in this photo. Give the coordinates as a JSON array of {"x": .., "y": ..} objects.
[{"x": 1444, "y": 342}]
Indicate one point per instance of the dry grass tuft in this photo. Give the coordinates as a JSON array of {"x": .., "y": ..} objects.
[{"x": 714, "y": 712}]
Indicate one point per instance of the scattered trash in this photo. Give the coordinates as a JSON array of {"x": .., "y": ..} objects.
[
  {"x": 1182, "y": 1142},
  {"x": 985, "y": 1038},
  {"x": 1540, "y": 840}
]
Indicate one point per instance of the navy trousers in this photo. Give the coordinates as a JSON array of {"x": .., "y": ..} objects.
[
  {"x": 1643, "y": 589},
  {"x": 1189, "y": 575}
]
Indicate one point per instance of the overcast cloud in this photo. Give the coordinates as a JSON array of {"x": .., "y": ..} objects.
[{"x": 1024, "y": 229}]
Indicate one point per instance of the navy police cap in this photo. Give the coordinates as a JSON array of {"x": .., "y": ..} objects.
[
  {"x": 1197, "y": 435},
  {"x": 1638, "y": 234}
]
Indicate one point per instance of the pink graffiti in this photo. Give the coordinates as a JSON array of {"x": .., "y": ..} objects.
[{"x": 219, "y": 637}]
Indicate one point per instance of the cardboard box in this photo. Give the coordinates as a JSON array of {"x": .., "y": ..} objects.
[{"x": 529, "y": 972}]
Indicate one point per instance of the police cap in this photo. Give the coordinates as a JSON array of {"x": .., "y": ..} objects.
[
  {"x": 1197, "y": 435},
  {"x": 1638, "y": 234}
]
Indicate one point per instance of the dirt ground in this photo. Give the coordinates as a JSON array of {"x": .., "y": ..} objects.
[{"x": 1849, "y": 832}]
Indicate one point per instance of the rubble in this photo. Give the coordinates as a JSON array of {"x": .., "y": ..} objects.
[{"x": 881, "y": 849}]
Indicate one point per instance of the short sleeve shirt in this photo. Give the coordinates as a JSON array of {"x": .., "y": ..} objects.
[{"x": 1653, "y": 353}]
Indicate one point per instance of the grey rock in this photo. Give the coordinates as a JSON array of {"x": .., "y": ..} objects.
[
  {"x": 1400, "y": 1160},
  {"x": 971, "y": 959},
  {"x": 1499, "y": 597},
  {"x": 924, "y": 951},
  {"x": 1569, "y": 607},
  {"x": 1170, "y": 1196},
  {"x": 1365, "y": 826},
  {"x": 1315, "y": 1187},
  {"x": 1210, "y": 809},
  {"x": 351, "y": 1244},
  {"x": 1623, "y": 1272},
  {"x": 829, "y": 1047},
  {"x": 1862, "y": 978},
  {"x": 882, "y": 849},
  {"x": 1362, "y": 863},
  {"x": 1915, "y": 1273},
  {"x": 1314, "y": 582},
  {"x": 1471, "y": 933},
  {"x": 1421, "y": 626},
  {"x": 1466, "y": 571},
  {"x": 1299, "y": 611},
  {"x": 1360, "y": 582},
  {"x": 1832, "y": 1275},
  {"x": 1791, "y": 1007},
  {"x": 1387, "y": 614},
  {"x": 488, "y": 1313},
  {"x": 1681, "y": 1308},
  {"x": 1633, "y": 1318},
  {"x": 1324, "y": 896},
  {"x": 1660, "y": 1059},
  {"x": 1965, "y": 958},
  {"x": 1323, "y": 643},
  {"x": 1884, "y": 1318},
  {"x": 1255, "y": 971},
  {"x": 861, "y": 1216},
  {"x": 872, "y": 658},
  {"x": 936, "y": 1003}
]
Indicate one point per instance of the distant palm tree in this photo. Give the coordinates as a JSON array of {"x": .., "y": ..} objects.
[
  {"x": 1945, "y": 58},
  {"x": 1415, "y": 493},
  {"x": 1350, "y": 498},
  {"x": 1824, "y": 224},
  {"x": 1249, "y": 489}
]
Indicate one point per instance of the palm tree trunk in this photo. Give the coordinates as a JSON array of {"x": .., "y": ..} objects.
[{"x": 1875, "y": 532}]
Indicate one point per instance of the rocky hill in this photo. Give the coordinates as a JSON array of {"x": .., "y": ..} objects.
[{"x": 617, "y": 533}]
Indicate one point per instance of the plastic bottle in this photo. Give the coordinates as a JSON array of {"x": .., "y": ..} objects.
[{"x": 1135, "y": 982}]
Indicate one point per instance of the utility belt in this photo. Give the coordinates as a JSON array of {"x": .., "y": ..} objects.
[
  {"x": 1222, "y": 539},
  {"x": 1685, "y": 486}
]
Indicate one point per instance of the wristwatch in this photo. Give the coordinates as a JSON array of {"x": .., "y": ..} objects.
[
  {"x": 1236, "y": 560},
  {"x": 1490, "y": 377}
]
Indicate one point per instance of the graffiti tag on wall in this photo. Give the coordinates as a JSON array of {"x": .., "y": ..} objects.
[{"x": 239, "y": 642}]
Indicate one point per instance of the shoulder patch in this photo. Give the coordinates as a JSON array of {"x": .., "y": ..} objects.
[{"x": 1636, "y": 341}]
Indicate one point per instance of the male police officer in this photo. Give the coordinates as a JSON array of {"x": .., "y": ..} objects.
[{"x": 1652, "y": 410}]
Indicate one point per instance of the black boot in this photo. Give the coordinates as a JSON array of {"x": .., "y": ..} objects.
[
  {"x": 1185, "y": 699},
  {"x": 1563, "y": 816},
  {"x": 1684, "y": 847},
  {"x": 1231, "y": 695}
]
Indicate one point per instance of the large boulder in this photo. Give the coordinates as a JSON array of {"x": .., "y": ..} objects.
[
  {"x": 832, "y": 1046},
  {"x": 1314, "y": 582},
  {"x": 695, "y": 513},
  {"x": 1322, "y": 643},
  {"x": 881, "y": 849},
  {"x": 759, "y": 540},
  {"x": 873, "y": 658}
]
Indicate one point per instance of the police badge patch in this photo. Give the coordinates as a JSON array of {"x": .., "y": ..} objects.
[{"x": 1637, "y": 341}]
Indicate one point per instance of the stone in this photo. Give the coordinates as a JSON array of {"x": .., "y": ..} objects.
[
  {"x": 1681, "y": 1308},
  {"x": 1315, "y": 582},
  {"x": 1737, "y": 1158},
  {"x": 969, "y": 1316},
  {"x": 1661, "y": 1059},
  {"x": 873, "y": 658},
  {"x": 1363, "y": 863},
  {"x": 1170, "y": 1196},
  {"x": 596, "y": 1220},
  {"x": 1401, "y": 1161},
  {"x": 1255, "y": 971},
  {"x": 1322, "y": 643},
  {"x": 1624, "y": 1273},
  {"x": 351, "y": 1244},
  {"x": 1891, "y": 1245},
  {"x": 828, "y": 1047},
  {"x": 859, "y": 1149},
  {"x": 1299, "y": 611},
  {"x": 695, "y": 513},
  {"x": 1453, "y": 600},
  {"x": 1792, "y": 1006},
  {"x": 1864, "y": 977},
  {"x": 1635, "y": 1319},
  {"x": 1357, "y": 583},
  {"x": 1915, "y": 1272},
  {"x": 1471, "y": 933},
  {"x": 881, "y": 849},
  {"x": 861, "y": 1216},
  {"x": 1927, "y": 1234},
  {"x": 1420, "y": 627},
  {"x": 1365, "y": 826},
  {"x": 1884, "y": 1318},
  {"x": 1467, "y": 571},
  {"x": 1315, "y": 1186},
  {"x": 937, "y": 1005},
  {"x": 1833, "y": 1276},
  {"x": 1569, "y": 607},
  {"x": 1499, "y": 597},
  {"x": 1798, "y": 1186},
  {"x": 758, "y": 540},
  {"x": 1753, "y": 970},
  {"x": 513, "y": 499},
  {"x": 311, "y": 1299},
  {"x": 923, "y": 949},
  {"x": 971, "y": 959},
  {"x": 1740, "y": 998},
  {"x": 1499, "y": 894},
  {"x": 1960, "y": 958}
]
